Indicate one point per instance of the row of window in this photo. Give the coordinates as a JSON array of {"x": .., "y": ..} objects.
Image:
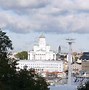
[
  {"x": 39, "y": 54},
  {"x": 39, "y": 68},
  {"x": 41, "y": 65}
]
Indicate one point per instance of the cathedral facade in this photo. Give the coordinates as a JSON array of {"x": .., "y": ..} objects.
[{"x": 41, "y": 51}]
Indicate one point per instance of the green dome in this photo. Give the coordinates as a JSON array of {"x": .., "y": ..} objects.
[{"x": 42, "y": 36}]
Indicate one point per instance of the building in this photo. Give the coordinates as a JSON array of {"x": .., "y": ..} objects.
[
  {"x": 76, "y": 68},
  {"x": 85, "y": 66},
  {"x": 41, "y": 51},
  {"x": 42, "y": 59},
  {"x": 42, "y": 66},
  {"x": 85, "y": 61},
  {"x": 84, "y": 56}
]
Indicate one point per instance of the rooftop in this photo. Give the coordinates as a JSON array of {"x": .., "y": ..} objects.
[
  {"x": 85, "y": 56},
  {"x": 42, "y": 36}
]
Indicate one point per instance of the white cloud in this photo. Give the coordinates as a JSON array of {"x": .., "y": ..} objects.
[
  {"x": 60, "y": 16},
  {"x": 22, "y": 4},
  {"x": 16, "y": 23}
]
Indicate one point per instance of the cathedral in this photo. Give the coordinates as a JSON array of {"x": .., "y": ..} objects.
[
  {"x": 42, "y": 59},
  {"x": 41, "y": 51}
]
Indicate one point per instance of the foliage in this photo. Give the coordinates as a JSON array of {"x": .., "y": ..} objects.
[
  {"x": 10, "y": 78},
  {"x": 84, "y": 86},
  {"x": 22, "y": 55},
  {"x": 28, "y": 80},
  {"x": 6, "y": 70}
]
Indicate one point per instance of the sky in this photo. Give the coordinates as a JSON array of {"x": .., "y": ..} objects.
[{"x": 25, "y": 20}]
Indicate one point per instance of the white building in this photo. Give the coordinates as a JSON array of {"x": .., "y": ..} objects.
[
  {"x": 42, "y": 66},
  {"x": 42, "y": 59},
  {"x": 41, "y": 51},
  {"x": 76, "y": 68}
]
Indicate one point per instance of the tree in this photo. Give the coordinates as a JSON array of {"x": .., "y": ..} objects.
[
  {"x": 22, "y": 55},
  {"x": 29, "y": 80},
  {"x": 10, "y": 78},
  {"x": 41, "y": 84},
  {"x": 6, "y": 70},
  {"x": 84, "y": 86}
]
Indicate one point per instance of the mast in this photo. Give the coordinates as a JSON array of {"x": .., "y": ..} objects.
[{"x": 70, "y": 41}]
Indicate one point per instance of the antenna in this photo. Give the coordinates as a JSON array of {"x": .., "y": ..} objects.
[{"x": 69, "y": 41}]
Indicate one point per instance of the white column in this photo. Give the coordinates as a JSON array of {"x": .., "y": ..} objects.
[
  {"x": 69, "y": 63},
  {"x": 28, "y": 55}
]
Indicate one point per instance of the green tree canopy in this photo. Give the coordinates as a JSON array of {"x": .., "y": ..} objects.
[
  {"x": 10, "y": 77},
  {"x": 7, "y": 70},
  {"x": 22, "y": 55}
]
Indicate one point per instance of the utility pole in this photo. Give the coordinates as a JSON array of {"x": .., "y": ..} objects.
[{"x": 70, "y": 41}]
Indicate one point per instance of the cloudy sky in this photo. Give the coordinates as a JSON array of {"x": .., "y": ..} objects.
[{"x": 25, "y": 20}]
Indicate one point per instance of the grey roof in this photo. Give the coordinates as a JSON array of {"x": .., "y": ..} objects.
[
  {"x": 85, "y": 56},
  {"x": 42, "y": 36}
]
